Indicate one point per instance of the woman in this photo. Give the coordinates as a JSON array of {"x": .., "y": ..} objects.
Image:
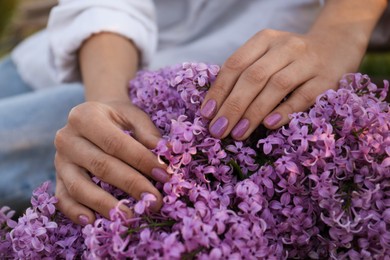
[{"x": 268, "y": 50}]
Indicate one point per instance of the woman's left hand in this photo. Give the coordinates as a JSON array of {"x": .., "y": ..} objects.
[{"x": 272, "y": 64}]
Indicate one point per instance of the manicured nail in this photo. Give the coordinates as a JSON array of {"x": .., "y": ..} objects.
[
  {"x": 240, "y": 129},
  {"x": 219, "y": 127},
  {"x": 84, "y": 220},
  {"x": 160, "y": 175},
  {"x": 209, "y": 109},
  {"x": 273, "y": 119}
]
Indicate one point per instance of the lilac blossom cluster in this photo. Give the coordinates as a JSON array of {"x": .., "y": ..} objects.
[
  {"x": 318, "y": 188},
  {"x": 41, "y": 233}
]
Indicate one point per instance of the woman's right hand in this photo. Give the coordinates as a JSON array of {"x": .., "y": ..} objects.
[{"x": 93, "y": 141}]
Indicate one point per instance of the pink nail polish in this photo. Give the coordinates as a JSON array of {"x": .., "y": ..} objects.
[
  {"x": 219, "y": 127},
  {"x": 84, "y": 220},
  {"x": 209, "y": 109},
  {"x": 240, "y": 129},
  {"x": 160, "y": 175},
  {"x": 273, "y": 119}
]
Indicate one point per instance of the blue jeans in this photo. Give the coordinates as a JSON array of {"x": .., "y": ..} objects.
[{"x": 29, "y": 120}]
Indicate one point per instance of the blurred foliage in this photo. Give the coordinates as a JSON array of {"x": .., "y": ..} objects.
[
  {"x": 7, "y": 8},
  {"x": 376, "y": 64}
]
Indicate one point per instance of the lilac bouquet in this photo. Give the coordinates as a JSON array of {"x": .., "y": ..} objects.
[{"x": 318, "y": 188}]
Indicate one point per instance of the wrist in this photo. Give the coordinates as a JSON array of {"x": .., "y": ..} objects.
[
  {"x": 338, "y": 36},
  {"x": 107, "y": 96},
  {"x": 111, "y": 88},
  {"x": 348, "y": 22},
  {"x": 107, "y": 63}
]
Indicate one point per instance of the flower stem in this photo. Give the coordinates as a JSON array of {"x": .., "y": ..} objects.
[
  {"x": 152, "y": 225},
  {"x": 236, "y": 169}
]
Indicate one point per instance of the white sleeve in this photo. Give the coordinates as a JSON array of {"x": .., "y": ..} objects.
[{"x": 73, "y": 21}]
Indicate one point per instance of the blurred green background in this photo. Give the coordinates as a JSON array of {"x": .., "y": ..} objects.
[
  {"x": 376, "y": 64},
  {"x": 7, "y": 9},
  {"x": 20, "y": 18}
]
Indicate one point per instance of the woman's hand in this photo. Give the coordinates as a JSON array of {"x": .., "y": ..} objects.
[
  {"x": 273, "y": 64},
  {"x": 94, "y": 142}
]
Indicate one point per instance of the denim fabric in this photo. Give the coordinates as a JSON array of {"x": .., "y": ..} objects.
[
  {"x": 10, "y": 82},
  {"x": 28, "y": 122}
]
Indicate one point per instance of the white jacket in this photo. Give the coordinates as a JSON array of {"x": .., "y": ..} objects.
[{"x": 165, "y": 31}]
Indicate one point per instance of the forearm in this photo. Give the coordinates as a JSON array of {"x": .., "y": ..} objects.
[
  {"x": 350, "y": 21},
  {"x": 107, "y": 63}
]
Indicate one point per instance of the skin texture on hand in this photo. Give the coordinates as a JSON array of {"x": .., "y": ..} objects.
[
  {"x": 94, "y": 142},
  {"x": 253, "y": 82}
]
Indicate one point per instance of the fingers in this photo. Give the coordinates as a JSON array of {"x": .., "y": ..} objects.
[
  {"x": 231, "y": 70},
  {"x": 300, "y": 100},
  {"x": 81, "y": 194},
  {"x": 246, "y": 97},
  {"x": 252, "y": 83},
  {"x": 94, "y": 141},
  {"x": 249, "y": 84},
  {"x": 108, "y": 168},
  {"x": 109, "y": 137},
  {"x": 278, "y": 86},
  {"x": 72, "y": 209},
  {"x": 144, "y": 130}
]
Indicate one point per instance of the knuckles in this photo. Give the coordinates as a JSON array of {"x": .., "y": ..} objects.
[
  {"x": 267, "y": 33},
  {"x": 255, "y": 75},
  {"x": 282, "y": 82},
  {"x": 81, "y": 113},
  {"x": 220, "y": 87},
  {"x": 60, "y": 139},
  {"x": 112, "y": 144},
  {"x": 307, "y": 97},
  {"x": 73, "y": 188},
  {"x": 296, "y": 43},
  {"x": 101, "y": 204},
  {"x": 75, "y": 115},
  {"x": 234, "y": 106},
  {"x": 132, "y": 184},
  {"x": 99, "y": 167},
  {"x": 235, "y": 63},
  {"x": 290, "y": 107}
]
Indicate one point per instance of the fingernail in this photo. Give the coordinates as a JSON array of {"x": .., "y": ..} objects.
[
  {"x": 209, "y": 109},
  {"x": 219, "y": 127},
  {"x": 273, "y": 119},
  {"x": 240, "y": 129},
  {"x": 160, "y": 175},
  {"x": 84, "y": 220}
]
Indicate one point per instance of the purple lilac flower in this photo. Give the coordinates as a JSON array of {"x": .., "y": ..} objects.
[{"x": 316, "y": 188}]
